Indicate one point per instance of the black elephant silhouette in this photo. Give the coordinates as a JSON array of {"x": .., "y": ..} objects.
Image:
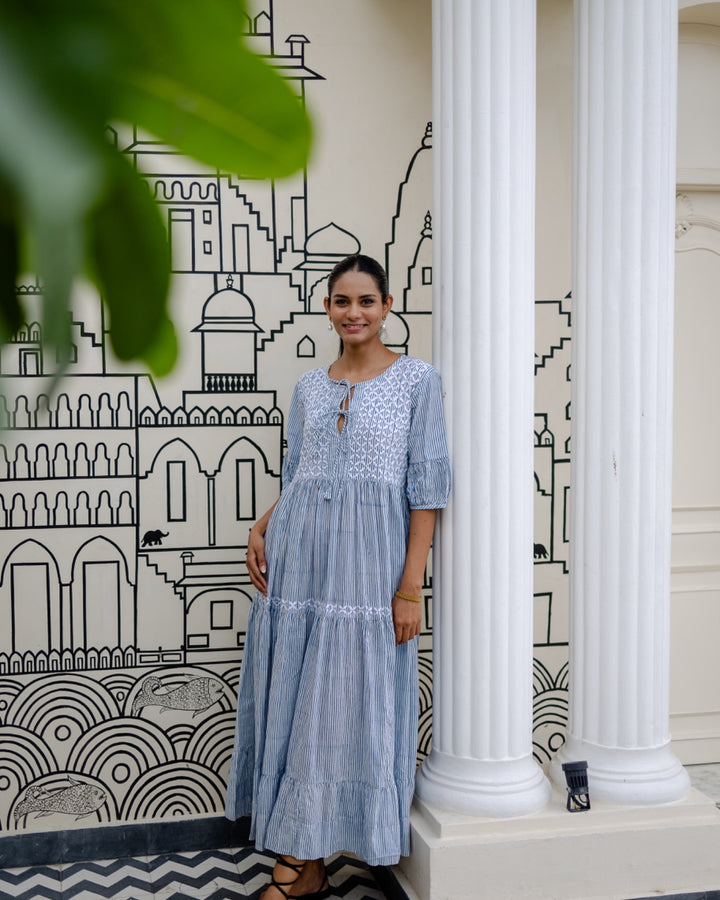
[
  {"x": 154, "y": 538},
  {"x": 539, "y": 551}
]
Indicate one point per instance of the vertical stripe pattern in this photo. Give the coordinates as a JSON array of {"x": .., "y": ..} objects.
[{"x": 327, "y": 707}]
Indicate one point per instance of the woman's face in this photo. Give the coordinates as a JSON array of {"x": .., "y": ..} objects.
[{"x": 356, "y": 308}]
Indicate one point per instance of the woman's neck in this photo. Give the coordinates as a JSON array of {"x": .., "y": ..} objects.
[{"x": 361, "y": 363}]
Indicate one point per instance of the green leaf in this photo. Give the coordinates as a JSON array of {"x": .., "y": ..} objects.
[
  {"x": 162, "y": 354},
  {"x": 129, "y": 259},
  {"x": 203, "y": 91},
  {"x": 11, "y": 316},
  {"x": 59, "y": 249},
  {"x": 178, "y": 69},
  {"x": 54, "y": 165}
]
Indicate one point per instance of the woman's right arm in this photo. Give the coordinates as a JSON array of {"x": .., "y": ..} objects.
[{"x": 255, "y": 559}]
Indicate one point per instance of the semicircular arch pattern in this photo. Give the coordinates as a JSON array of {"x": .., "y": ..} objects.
[
  {"x": 61, "y": 708},
  {"x": 212, "y": 743},
  {"x": 24, "y": 758},
  {"x": 118, "y": 752},
  {"x": 9, "y": 689},
  {"x": 119, "y": 684},
  {"x": 169, "y": 791}
]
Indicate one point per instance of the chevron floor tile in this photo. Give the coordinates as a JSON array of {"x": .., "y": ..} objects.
[{"x": 235, "y": 874}]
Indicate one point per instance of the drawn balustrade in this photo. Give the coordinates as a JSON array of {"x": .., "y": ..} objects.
[{"x": 84, "y": 413}]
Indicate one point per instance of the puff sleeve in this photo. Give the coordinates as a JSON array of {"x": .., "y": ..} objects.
[
  {"x": 428, "y": 474},
  {"x": 295, "y": 419}
]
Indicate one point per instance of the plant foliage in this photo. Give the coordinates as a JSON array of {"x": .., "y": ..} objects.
[{"x": 70, "y": 203}]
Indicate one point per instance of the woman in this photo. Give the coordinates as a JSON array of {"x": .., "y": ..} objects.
[{"x": 327, "y": 707}]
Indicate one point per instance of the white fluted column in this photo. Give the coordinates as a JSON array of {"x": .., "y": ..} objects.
[
  {"x": 484, "y": 156},
  {"x": 624, "y": 179}
]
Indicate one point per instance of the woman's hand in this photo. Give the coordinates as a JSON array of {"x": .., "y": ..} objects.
[
  {"x": 255, "y": 559},
  {"x": 407, "y": 619}
]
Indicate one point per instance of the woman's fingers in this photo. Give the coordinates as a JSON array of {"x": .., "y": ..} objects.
[
  {"x": 255, "y": 560},
  {"x": 407, "y": 619}
]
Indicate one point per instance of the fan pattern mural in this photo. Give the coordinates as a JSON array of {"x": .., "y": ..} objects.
[{"x": 125, "y": 504}]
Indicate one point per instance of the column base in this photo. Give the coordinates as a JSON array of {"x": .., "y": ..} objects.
[
  {"x": 482, "y": 787},
  {"x": 632, "y": 777},
  {"x": 606, "y": 853}
]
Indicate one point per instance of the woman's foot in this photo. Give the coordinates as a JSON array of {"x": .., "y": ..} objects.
[
  {"x": 312, "y": 882},
  {"x": 285, "y": 876}
]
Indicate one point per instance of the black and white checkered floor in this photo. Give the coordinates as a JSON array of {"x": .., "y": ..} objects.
[{"x": 203, "y": 875}]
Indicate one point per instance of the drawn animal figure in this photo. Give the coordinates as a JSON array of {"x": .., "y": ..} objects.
[
  {"x": 79, "y": 800},
  {"x": 154, "y": 538},
  {"x": 198, "y": 694},
  {"x": 540, "y": 551}
]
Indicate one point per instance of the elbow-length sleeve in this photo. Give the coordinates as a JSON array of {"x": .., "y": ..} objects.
[
  {"x": 294, "y": 437},
  {"x": 428, "y": 476}
]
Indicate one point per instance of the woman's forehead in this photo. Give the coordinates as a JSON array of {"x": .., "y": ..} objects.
[{"x": 355, "y": 282}]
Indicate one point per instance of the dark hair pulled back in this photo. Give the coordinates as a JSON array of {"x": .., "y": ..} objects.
[{"x": 358, "y": 262}]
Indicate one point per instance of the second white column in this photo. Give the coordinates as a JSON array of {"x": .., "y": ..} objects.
[{"x": 625, "y": 98}]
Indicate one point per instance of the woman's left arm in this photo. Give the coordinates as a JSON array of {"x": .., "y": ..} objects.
[{"x": 407, "y": 614}]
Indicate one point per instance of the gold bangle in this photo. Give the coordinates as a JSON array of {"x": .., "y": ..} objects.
[{"x": 408, "y": 597}]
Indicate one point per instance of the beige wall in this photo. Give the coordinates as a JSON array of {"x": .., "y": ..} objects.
[
  {"x": 98, "y": 623},
  {"x": 695, "y": 632},
  {"x": 695, "y": 673}
]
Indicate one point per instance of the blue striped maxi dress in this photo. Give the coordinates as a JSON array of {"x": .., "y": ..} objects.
[{"x": 326, "y": 733}]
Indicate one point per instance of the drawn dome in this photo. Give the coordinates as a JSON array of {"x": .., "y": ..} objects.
[
  {"x": 331, "y": 241},
  {"x": 228, "y": 310}
]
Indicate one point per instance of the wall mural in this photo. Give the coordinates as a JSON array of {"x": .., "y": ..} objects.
[{"x": 123, "y": 592}]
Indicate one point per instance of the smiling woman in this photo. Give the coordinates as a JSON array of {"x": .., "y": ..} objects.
[
  {"x": 358, "y": 303},
  {"x": 324, "y": 754}
]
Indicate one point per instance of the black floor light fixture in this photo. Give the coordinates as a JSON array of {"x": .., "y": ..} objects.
[{"x": 578, "y": 798}]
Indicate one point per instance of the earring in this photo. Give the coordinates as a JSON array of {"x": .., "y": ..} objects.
[
  {"x": 383, "y": 326},
  {"x": 329, "y": 324}
]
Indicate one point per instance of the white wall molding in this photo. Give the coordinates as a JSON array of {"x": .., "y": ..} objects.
[{"x": 696, "y": 737}]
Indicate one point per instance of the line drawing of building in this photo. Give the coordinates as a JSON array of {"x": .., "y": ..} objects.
[{"x": 123, "y": 591}]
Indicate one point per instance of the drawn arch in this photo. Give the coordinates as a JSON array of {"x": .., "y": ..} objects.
[
  {"x": 175, "y": 499},
  {"x": 118, "y": 752},
  {"x": 550, "y": 710},
  {"x": 102, "y": 597},
  {"x": 185, "y": 451},
  {"x": 257, "y": 452},
  {"x": 180, "y": 734},
  {"x": 240, "y": 483},
  {"x": 211, "y": 745},
  {"x": 24, "y": 757},
  {"x": 30, "y": 594},
  {"x": 119, "y": 684},
  {"x": 425, "y": 712},
  {"x": 60, "y": 709},
  {"x": 232, "y": 679},
  {"x": 221, "y": 614},
  {"x": 168, "y": 791},
  {"x": 9, "y": 689}
]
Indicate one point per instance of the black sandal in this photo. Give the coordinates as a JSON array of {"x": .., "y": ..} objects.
[
  {"x": 322, "y": 894},
  {"x": 281, "y": 885}
]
